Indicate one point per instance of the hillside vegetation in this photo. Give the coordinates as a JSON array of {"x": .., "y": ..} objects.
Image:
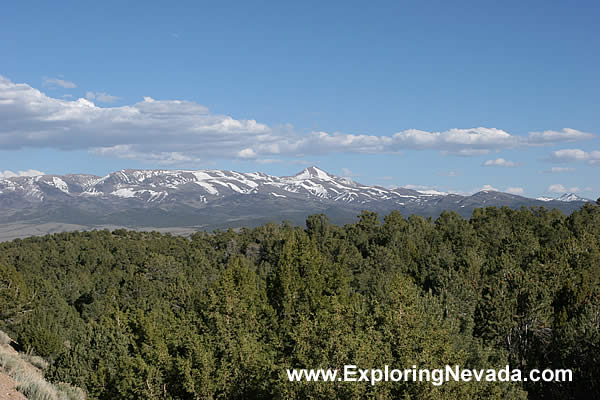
[
  {"x": 132, "y": 315},
  {"x": 25, "y": 371}
]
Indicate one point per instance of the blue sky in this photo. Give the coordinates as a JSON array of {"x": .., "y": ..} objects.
[{"x": 388, "y": 93}]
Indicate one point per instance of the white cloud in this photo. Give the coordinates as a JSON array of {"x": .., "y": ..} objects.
[
  {"x": 559, "y": 188},
  {"x": 489, "y": 187},
  {"x": 425, "y": 189},
  {"x": 569, "y": 155},
  {"x": 167, "y": 130},
  {"x": 466, "y": 152},
  {"x": 564, "y": 135},
  {"x": 450, "y": 173},
  {"x": 417, "y": 187},
  {"x": 128, "y": 152},
  {"x": 556, "y": 188},
  {"x": 558, "y": 170},
  {"x": 472, "y": 140},
  {"x": 53, "y": 82},
  {"x": 515, "y": 190},
  {"x": 101, "y": 97},
  {"x": 347, "y": 173},
  {"x": 500, "y": 162},
  {"x": 11, "y": 174},
  {"x": 246, "y": 153},
  {"x": 176, "y": 131}
]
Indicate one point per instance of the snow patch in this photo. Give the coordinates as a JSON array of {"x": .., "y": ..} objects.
[
  {"x": 208, "y": 187},
  {"x": 125, "y": 193},
  {"x": 60, "y": 184}
]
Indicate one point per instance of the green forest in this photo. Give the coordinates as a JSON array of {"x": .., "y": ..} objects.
[{"x": 221, "y": 315}]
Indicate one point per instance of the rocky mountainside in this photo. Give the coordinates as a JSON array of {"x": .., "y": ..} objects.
[{"x": 209, "y": 199}]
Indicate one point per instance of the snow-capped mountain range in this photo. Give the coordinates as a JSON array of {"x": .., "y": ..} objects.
[
  {"x": 202, "y": 186},
  {"x": 216, "y": 198},
  {"x": 565, "y": 197}
]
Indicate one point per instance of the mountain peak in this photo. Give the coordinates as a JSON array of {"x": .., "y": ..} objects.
[
  {"x": 313, "y": 172},
  {"x": 206, "y": 198},
  {"x": 571, "y": 197}
]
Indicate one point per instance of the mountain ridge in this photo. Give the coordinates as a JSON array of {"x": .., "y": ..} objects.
[{"x": 210, "y": 199}]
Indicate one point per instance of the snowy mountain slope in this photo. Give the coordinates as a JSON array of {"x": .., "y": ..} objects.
[
  {"x": 226, "y": 198},
  {"x": 571, "y": 197},
  {"x": 568, "y": 197},
  {"x": 205, "y": 185}
]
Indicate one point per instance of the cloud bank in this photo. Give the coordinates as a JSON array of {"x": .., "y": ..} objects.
[
  {"x": 179, "y": 132},
  {"x": 29, "y": 172}
]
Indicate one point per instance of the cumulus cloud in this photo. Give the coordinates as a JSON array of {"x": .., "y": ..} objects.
[
  {"x": 246, "y": 153},
  {"x": 489, "y": 187},
  {"x": 460, "y": 141},
  {"x": 53, "y": 82},
  {"x": 515, "y": 190},
  {"x": 570, "y": 155},
  {"x": 559, "y": 188},
  {"x": 500, "y": 162},
  {"x": 29, "y": 172},
  {"x": 177, "y": 131},
  {"x": 564, "y": 135},
  {"x": 157, "y": 129},
  {"x": 556, "y": 188},
  {"x": 101, "y": 97}
]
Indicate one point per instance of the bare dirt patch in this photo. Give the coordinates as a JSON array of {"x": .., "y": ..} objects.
[{"x": 7, "y": 389}]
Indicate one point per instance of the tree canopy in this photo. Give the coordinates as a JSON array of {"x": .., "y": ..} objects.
[{"x": 143, "y": 315}]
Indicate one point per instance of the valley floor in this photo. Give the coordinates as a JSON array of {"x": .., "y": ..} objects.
[{"x": 21, "y": 230}]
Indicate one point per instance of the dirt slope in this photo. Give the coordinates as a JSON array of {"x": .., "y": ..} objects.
[{"x": 7, "y": 389}]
